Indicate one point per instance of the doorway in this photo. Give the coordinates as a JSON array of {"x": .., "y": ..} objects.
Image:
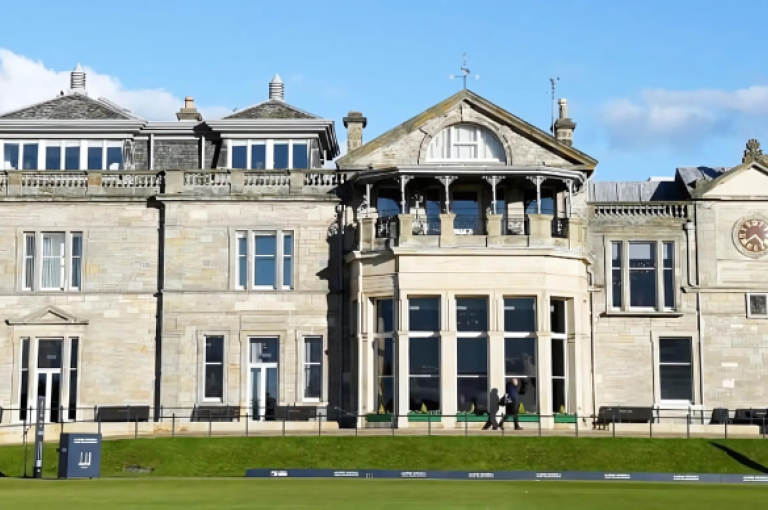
[
  {"x": 49, "y": 377},
  {"x": 264, "y": 377}
]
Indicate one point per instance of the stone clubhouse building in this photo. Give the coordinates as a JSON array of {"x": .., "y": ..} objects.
[{"x": 215, "y": 264}]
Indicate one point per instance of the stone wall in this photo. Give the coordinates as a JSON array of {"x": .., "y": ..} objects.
[{"x": 171, "y": 154}]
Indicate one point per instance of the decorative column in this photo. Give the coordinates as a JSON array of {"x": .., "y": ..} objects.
[
  {"x": 537, "y": 180},
  {"x": 493, "y": 181},
  {"x": 447, "y": 180},
  {"x": 544, "y": 360},
  {"x": 403, "y": 182},
  {"x": 569, "y": 183},
  {"x": 402, "y": 366},
  {"x": 448, "y": 372},
  {"x": 367, "y": 198}
]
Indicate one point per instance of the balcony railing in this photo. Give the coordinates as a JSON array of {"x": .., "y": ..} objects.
[
  {"x": 429, "y": 226},
  {"x": 468, "y": 225},
  {"x": 386, "y": 227},
  {"x": 559, "y": 227}
]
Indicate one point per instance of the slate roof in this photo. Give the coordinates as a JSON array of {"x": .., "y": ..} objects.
[
  {"x": 272, "y": 109},
  {"x": 636, "y": 191},
  {"x": 73, "y": 106},
  {"x": 688, "y": 175}
]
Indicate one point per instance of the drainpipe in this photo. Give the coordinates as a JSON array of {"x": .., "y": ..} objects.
[
  {"x": 340, "y": 214},
  {"x": 699, "y": 311},
  {"x": 592, "y": 340}
]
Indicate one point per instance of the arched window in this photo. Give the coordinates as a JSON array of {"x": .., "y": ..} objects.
[{"x": 466, "y": 142}]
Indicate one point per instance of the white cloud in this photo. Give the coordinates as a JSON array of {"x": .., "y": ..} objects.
[
  {"x": 670, "y": 118},
  {"x": 24, "y": 82}
]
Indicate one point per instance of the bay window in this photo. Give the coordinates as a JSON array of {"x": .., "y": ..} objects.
[
  {"x": 384, "y": 357},
  {"x": 559, "y": 325},
  {"x": 520, "y": 349},
  {"x": 472, "y": 355},
  {"x": 424, "y": 354}
]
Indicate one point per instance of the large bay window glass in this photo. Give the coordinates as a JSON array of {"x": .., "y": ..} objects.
[
  {"x": 676, "y": 370},
  {"x": 520, "y": 349},
  {"x": 472, "y": 355},
  {"x": 384, "y": 357},
  {"x": 424, "y": 354},
  {"x": 558, "y": 320}
]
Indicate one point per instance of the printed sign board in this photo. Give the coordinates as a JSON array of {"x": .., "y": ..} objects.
[{"x": 80, "y": 456}]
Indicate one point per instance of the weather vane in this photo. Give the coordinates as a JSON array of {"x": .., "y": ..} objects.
[{"x": 464, "y": 72}]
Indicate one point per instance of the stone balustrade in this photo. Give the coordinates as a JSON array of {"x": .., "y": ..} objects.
[
  {"x": 31, "y": 183},
  {"x": 616, "y": 210}
]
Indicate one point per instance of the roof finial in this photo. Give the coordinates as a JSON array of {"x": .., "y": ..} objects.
[
  {"x": 464, "y": 72},
  {"x": 553, "y": 84},
  {"x": 77, "y": 80},
  {"x": 276, "y": 88},
  {"x": 752, "y": 151}
]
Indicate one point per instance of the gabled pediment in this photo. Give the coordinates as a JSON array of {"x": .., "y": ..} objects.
[
  {"x": 271, "y": 109},
  {"x": 50, "y": 315},
  {"x": 746, "y": 181},
  {"x": 72, "y": 106},
  {"x": 406, "y": 143}
]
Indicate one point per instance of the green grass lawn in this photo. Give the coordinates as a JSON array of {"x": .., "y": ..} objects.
[
  {"x": 371, "y": 494},
  {"x": 230, "y": 457}
]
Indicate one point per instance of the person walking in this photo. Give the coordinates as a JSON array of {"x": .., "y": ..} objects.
[
  {"x": 512, "y": 403},
  {"x": 493, "y": 410}
]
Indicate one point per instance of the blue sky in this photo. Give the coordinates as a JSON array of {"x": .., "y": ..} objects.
[{"x": 652, "y": 85}]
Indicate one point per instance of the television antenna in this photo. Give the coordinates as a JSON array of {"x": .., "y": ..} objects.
[
  {"x": 553, "y": 83},
  {"x": 464, "y": 72}
]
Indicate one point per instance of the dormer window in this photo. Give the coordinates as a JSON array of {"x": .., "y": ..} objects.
[
  {"x": 69, "y": 154},
  {"x": 466, "y": 142},
  {"x": 269, "y": 154}
]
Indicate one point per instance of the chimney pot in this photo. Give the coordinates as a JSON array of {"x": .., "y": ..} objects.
[
  {"x": 276, "y": 88},
  {"x": 77, "y": 80},
  {"x": 564, "y": 125},
  {"x": 189, "y": 112},
  {"x": 355, "y": 123}
]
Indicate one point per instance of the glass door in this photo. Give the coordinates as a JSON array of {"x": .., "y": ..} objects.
[
  {"x": 264, "y": 383},
  {"x": 49, "y": 377}
]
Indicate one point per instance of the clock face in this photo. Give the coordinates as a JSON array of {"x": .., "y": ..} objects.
[{"x": 753, "y": 236}]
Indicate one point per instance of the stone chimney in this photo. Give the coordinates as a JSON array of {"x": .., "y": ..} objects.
[
  {"x": 276, "y": 88},
  {"x": 77, "y": 80},
  {"x": 189, "y": 112},
  {"x": 355, "y": 123},
  {"x": 564, "y": 126}
]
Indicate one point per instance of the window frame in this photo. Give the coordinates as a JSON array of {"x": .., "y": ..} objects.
[
  {"x": 269, "y": 152},
  {"x": 378, "y": 338},
  {"x": 83, "y": 144},
  {"x": 657, "y": 338},
  {"x": 473, "y": 336},
  {"x": 279, "y": 257},
  {"x": 67, "y": 258},
  {"x": 205, "y": 363},
  {"x": 426, "y": 334},
  {"x": 750, "y": 313},
  {"x": 307, "y": 364},
  {"x": 659, "y": 272},
  {"x": 479, "y": 143},
  {"x": 561, "y": 337}
]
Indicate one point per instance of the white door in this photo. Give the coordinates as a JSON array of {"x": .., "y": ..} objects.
[
  {"x": 49, "y": 378},
  {"x": 264, "y": 380}
]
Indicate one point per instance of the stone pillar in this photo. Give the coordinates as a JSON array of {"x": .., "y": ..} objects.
[
  {"x": 14, "y": 183},
  {"x": 237, "y": 180},
  {"x": 174, "y": 181},
  {"x": 540, "y": 226},
  {"x": 296, "y": 182},
  {"x": 404, "y": 229},
  {"x": 447, "y": 235},
  {"x": 355, "y": 123},
  {"x": 493, "y": 224},
  {"x": 576, "y": 228},
  {"x": 448, "y": 372},
  {"x": 94, "y": 183},
  {"x": 368, "y": 232},
  {"x": 401, "y": 370}
]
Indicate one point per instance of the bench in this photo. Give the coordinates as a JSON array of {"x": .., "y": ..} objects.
[
  {"x": 215, "y": 413},
  {"x": 113, "y": 414},
  {"x": 608, "y": 415},
  {"x": 750, "y": 417},
  {"x": 295, "y": 413}
]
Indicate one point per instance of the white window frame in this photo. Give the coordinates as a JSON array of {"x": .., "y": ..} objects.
[
  {"x": 517, "y": 335},
  {"x": 473, "y": 335},
  {"x": 625, "y": 272},
  {"x": 248, "y": 143},
  {"x": 223, "y": 365},
  {"x": 450, "y": 146},
  {"x": 62, "y": 261},
  {"x": 379, "y": 337},
  {"x": 307, "y": 364},
  {"x": 280, "y": 257},
  {"x": 67, "y": 261},
  {"x": 564, "y": 338},
  {"x": 44, "y": 143},
  {"x": 239, "y": 236},
  {"x": 425, "y": 334},
  {"x": 750, "y": 314}
]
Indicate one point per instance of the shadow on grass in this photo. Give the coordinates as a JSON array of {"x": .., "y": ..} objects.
[{"x": 741, "y": 458}]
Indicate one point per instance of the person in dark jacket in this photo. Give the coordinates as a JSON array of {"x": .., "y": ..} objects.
[
  {"x": 512, "y": 401},
  {"x": 493, "y": 409}
]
